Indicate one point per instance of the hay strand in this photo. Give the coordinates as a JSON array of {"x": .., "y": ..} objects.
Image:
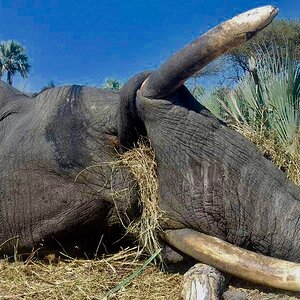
[{"x": 141, "y": 163}]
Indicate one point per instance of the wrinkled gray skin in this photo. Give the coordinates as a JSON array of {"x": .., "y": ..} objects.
[
  {"x": 45, "y": 141},
  {"x": 211, "y": 179}
]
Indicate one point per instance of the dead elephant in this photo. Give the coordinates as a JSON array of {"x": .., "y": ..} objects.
[{"x": 212, "y": 180}]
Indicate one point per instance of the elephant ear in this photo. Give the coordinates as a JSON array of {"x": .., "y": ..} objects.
[
  {"x": 219, "y": 40},
  {"x": 12, "y": 102},
  {"x": 8, "y": 94}
]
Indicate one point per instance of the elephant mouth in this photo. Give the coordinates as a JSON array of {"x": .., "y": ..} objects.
[{"x": 234, "y": 260}]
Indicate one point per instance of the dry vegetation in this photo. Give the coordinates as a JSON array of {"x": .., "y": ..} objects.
[
  {"x": 141, "y": 163},
  {"x": 86, "y": 279},
  {"x": 96, "y": 279},
  {"x": 124, "y": 275},
  {"x": 287, "y": 161}
]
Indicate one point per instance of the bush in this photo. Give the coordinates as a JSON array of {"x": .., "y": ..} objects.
[{"x": 265, "y": 106}]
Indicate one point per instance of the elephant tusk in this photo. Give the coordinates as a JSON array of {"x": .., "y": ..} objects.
[
  {"x": 183, "y": 64},
  {"x": 234, "y": 260}
]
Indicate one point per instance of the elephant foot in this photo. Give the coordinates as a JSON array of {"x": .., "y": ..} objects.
[{"x": 202, "y": 282}]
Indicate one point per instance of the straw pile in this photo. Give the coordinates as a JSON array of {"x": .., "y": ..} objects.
[
  {"x": 86, "y": 279},
  {"x": 141, "y": 163},
  {"x": 97, "y": 279}
]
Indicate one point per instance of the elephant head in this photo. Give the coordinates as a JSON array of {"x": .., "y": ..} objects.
[
  {"x": 211, "y": 179},
  {"x": 56, "y": 183}
]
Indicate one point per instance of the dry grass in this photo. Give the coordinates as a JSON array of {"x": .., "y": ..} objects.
[
  {"x": 95, "y": 279},
  {"x": 281, "y": 156},
  {"x": 85, "y": 279},
  {"x": 141, "y": 163}
]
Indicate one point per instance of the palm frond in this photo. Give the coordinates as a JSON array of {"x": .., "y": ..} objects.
[
  {"x": 267, "y": 99},
  {"x": 13, "y": 60}
]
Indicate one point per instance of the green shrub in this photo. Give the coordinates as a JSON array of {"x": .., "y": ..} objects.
[{"x": 265, "y": 106}]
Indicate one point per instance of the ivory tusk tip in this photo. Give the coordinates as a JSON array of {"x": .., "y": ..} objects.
[
  {"x": 257, "y": 18},
  {"x": 214, "y": 43}
]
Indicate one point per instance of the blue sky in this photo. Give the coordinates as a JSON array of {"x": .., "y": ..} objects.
[{"x": 85, "y": 42}]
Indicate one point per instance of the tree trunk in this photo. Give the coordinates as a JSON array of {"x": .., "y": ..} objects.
[{"x": 9, "y": 78}]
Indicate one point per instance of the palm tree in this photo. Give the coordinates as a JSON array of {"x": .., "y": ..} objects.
[{"x": 13, "y": 60}]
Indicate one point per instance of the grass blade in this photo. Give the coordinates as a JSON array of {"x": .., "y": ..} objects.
[{"x": 132, "y": 276}]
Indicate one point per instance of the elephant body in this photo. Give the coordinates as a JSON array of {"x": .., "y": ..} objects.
[
  {"x": 211, "y": 178},
  {"x": 46, "y": 141}
]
